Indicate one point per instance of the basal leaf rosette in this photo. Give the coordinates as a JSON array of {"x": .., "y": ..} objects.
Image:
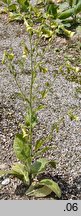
[{"x": 44, "y": 188}]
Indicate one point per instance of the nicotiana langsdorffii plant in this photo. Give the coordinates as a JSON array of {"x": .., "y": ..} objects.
[
  {"x": 65, "y": 9},
  {"x": 49, "y": 10},
  {"x": 30, "y": 155},
  {"x": 63, "y": 16}
]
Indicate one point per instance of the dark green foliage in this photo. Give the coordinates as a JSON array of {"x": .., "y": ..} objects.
[{"x": 52, "y": 9}]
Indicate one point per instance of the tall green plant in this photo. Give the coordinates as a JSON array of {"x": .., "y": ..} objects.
[
  {"x": 15, "y": 9},
  {"x": 72, "y": 11},
  {"x": 30, "y": 155},
  {"x": 64, "y": 15}
]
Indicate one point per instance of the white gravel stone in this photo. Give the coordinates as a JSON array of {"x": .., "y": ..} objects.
[{"x": 5, "y": 182}]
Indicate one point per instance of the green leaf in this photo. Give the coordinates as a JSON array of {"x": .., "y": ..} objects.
[
  {"x": 22, "y": 96},
  {"x": 43, "y": 69},
  {"x": 52, "y": 9},
  {"x": 40, "y": 192},
  {"x": 55, "y": 126},
  {"x": 12, "y": 7},
  {"x": 53, "y": 186},
  {"x": 7, "y": 1},
  {"x": 39, "y": 166},
  {"x": 47, "y": 33},
  {"x": 28, "y": 27},
  {"x": 43, "y": 93},
  {"x": 68, "y": 33},
  {"x": 78, "y": 7},
  {"x": 21, "y": 2},
  {"x": 40, "y": 107},
  {"x": 45, "y": 149},
  {"x": 25, "y": 49},
  {"x": 21, "y": 148},
  {"x": 24, "y": 4},
  {"x": 67, "y": 13},
  {"x": 71, "y": 3},
  {"x": 24, "y": 131},
  {"x": 47, "y": 84},
  {"x": 15, "y": 16},
  {"x": 39, "y": 143},
  {"x": 52, "y": 163},
  {"x": 27, "y": 120},
  {"x": 72, "y": 116},
  {"x": 34, "y": 119},
  {"x": 31, "y": 188},
  {"x": 4, "y": 57},
  {"x": 19, "y": 170}
]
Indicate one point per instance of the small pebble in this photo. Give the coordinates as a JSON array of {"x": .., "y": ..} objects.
[
  {"x": 5, "y": 182},
  {"x": 2, "y": 166}
]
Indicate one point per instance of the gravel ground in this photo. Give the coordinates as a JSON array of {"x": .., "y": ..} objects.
[{"x": 60, "y": 99}]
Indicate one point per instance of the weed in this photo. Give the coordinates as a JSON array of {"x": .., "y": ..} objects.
[{"x": 31, "y": 155}]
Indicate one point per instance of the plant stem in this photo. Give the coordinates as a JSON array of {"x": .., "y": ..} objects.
[
  {"x": 31, "y": 94},
  {"x": 10, "y": 66},
  {"x": 22, "y": 94},
  {"x": 31, "y": 89}
]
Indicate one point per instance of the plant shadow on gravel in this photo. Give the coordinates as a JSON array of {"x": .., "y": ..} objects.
[{"x": 69, "y": 191}]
